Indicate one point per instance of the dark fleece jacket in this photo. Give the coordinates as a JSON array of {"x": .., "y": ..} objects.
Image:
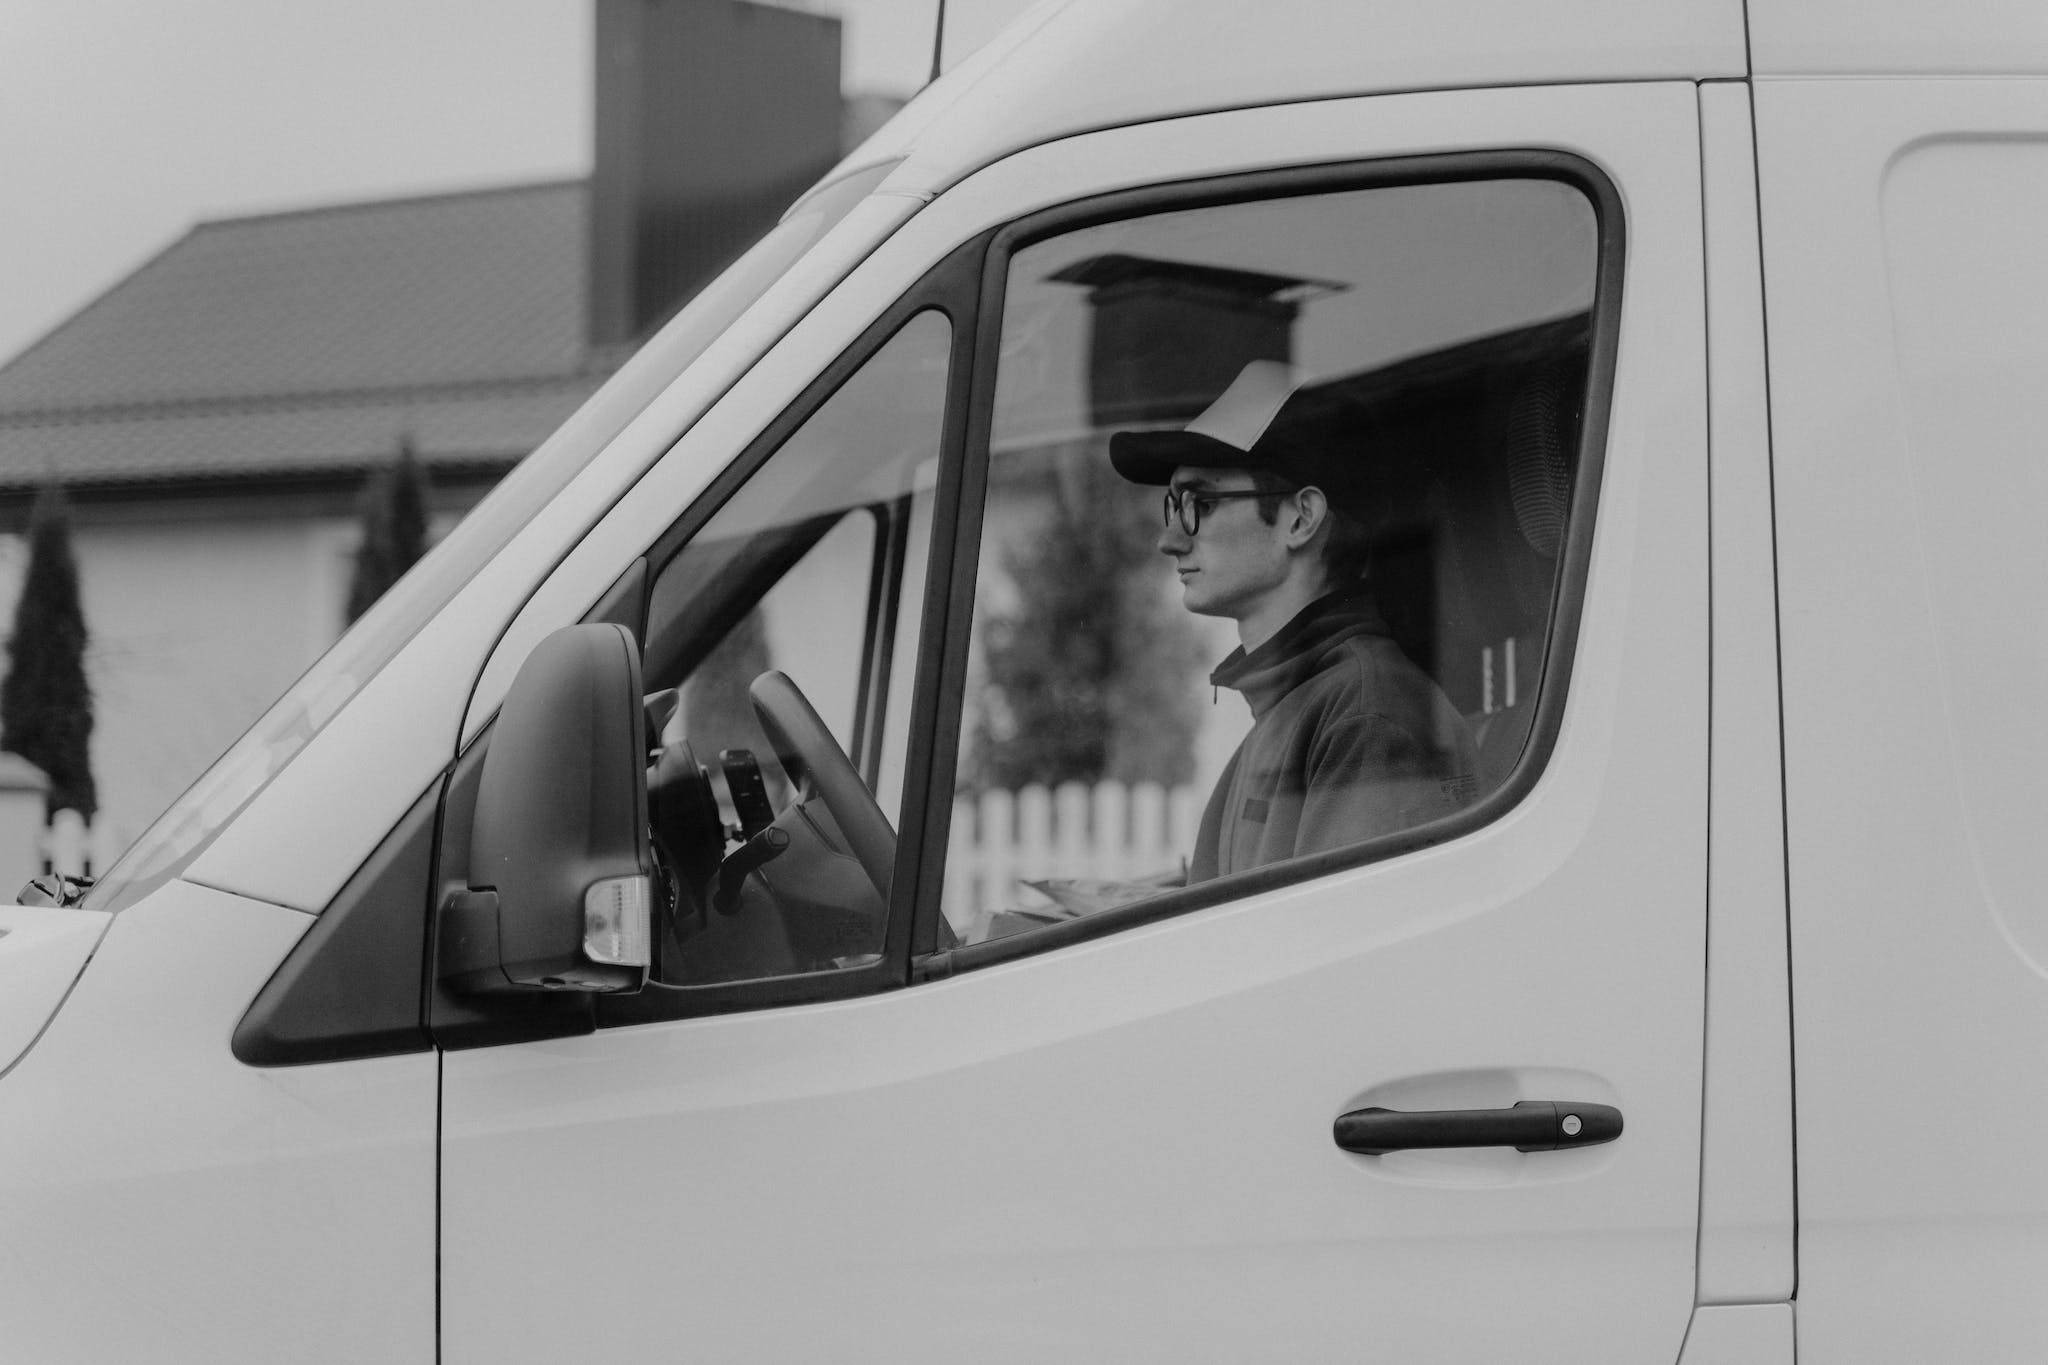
[{"x": 1349, "y": 740}]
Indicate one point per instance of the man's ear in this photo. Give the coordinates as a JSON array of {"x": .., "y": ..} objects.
[{"x": 1303, "y": 514}]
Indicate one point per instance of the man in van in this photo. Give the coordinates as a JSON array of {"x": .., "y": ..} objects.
[{"x": 1268, "y": 522}]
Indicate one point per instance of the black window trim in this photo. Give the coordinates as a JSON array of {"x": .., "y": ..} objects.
[
  {"x": 932, "y": 960},
  {"x": 949, "y": 289},
  {"x": 967, "y": 287}
]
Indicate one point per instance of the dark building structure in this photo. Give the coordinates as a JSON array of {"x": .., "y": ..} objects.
[{"x": 711, "y": 117}]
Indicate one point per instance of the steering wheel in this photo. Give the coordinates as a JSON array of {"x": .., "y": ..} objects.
[{"x": 813, "y": 758}]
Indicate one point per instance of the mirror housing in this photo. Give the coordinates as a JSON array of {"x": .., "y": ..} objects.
[{"x": 560, "y": 886}]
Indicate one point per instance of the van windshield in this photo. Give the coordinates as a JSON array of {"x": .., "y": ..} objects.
[{"x": 190, "y": 823}]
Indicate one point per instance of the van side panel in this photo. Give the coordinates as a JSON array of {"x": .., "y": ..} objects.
[
  {"x": 1898, "y": 37},
  {"x": 1740, "y": 1334},
  {"x": 1902, "y": 227}
]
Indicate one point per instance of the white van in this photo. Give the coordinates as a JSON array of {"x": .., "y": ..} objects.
[{"x": 1697, "y": 352}]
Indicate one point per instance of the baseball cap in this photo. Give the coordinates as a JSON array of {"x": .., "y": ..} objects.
[{"x": 1266, "y": 420}]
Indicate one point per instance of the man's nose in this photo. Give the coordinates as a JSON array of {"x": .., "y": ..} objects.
[{"x": 1172, "y": 539}]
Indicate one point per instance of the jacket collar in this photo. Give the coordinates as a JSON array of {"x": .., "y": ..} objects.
[{"x": 1298, "y": 649}]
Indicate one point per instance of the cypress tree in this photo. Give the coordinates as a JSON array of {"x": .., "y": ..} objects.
[
  {"x": 46, "y": 704},
  {"x": 1095, "y": 672},
  {"x": 394, "y": 514}
]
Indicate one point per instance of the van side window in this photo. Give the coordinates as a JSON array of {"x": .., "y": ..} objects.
[
  {"x": 1276, "y": 498},
  {"x": 783, "y": 639}
]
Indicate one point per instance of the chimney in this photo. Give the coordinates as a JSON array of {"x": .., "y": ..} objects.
[
  {"x": 1167, "y": 337},
  {"x": 711, "y": 116}
]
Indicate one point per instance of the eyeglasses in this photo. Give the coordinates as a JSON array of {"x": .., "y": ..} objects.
[{"x": 1187, "y": 505}]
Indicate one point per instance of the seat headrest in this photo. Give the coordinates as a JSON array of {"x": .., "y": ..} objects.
[{"x": 1539, "y": 457}]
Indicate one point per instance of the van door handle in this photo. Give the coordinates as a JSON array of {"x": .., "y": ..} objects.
[{"x": 1530, "y": 1126}]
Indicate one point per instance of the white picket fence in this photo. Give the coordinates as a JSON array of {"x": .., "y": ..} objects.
[
  {"x": 76, "y": 849},
  {"x": 1001, "y": 839},
  {"x": 30, "y": 845}
]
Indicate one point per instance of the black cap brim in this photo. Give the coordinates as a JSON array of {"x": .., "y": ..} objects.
[{"x": 1150, "y": 457}]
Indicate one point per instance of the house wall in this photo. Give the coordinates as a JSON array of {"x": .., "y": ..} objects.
[{"x": 198, "y": 616}]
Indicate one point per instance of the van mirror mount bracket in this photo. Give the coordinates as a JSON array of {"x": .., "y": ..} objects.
[{"x": 617, "y": 926}]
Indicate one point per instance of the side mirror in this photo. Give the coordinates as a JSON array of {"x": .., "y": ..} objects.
[{"x": 560, "y": 891}]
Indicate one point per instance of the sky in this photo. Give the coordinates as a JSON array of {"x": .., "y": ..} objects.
[{"x": 125, "y": 122}]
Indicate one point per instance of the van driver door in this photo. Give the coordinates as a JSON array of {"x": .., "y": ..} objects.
[{"x": 1037, "y": 1081}]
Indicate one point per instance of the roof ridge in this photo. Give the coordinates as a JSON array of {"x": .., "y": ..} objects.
[
  {"x": 49, "y": 334},
  {"x": 386, "y": 202}
]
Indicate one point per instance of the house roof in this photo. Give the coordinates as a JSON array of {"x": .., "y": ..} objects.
[{"x": 310, "y": 342}]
